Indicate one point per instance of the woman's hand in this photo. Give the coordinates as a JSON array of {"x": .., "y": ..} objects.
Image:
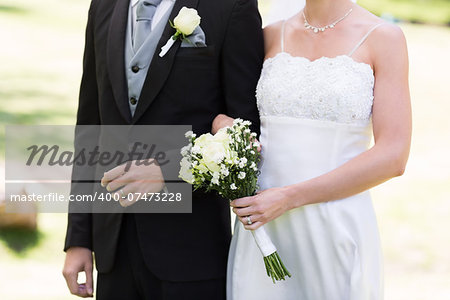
[
  {"x": 221, "y": 121},
  {"x": 132, "y": 181},
  {"x": 262, "y": 208}
]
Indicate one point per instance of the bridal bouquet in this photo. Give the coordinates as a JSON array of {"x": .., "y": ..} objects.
[{"x": 227, "y": 163}]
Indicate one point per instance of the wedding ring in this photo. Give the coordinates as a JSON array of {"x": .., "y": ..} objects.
[
  {"x": 122, "y": 194},
  {"x": 249, "y": 220}
]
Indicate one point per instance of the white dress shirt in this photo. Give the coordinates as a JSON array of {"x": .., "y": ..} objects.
[{"x": 161, "y": 10}]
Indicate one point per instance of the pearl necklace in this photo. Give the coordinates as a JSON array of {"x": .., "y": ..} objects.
[{"x": 322, "y": 29}]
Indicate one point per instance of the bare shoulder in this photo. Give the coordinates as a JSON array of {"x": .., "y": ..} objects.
[
  {"x": 388, "y": 34},
  {"x": 388, "y": 46},
  {"x": 272, "y": 37},
  {"x": 273, "y": 31},
  {"x": 385, "y": 34},
  {"x": 386, "y": 42}
]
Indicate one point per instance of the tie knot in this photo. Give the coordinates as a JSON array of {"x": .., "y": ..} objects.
[{"x": 146, "y": 9}]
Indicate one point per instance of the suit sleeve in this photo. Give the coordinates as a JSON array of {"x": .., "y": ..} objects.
[
  {"x": 242, "y": 58},
  {"x": 79, "y": 228}
]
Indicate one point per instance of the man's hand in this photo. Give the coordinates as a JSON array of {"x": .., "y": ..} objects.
[
  {"x": 79, "y": 259},
  {"x": 221, "y": 121},
  {"x": 132, "y": 184}
]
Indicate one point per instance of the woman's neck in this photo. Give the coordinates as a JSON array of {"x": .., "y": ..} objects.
[{"x": 324, "y": 12}]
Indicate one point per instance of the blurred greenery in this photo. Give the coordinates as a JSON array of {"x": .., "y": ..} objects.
[
  {"x": 40, "y": 63},
  {"x": 40, "y": 69},
  {"x": 421, "y": 11},
  {"x": 20, "y": 241}
]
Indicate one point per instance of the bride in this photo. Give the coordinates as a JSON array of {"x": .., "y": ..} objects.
[{"x": 334, "y": 76}]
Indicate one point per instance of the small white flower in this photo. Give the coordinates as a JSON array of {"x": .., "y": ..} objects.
[
  {"x": 252, "y": 152},
  {"x": 224, "y": 171},
  {"x": 241, "y": 175},
  {"x": 256, "y": 144},
  {"x": 215, "y": 179},
  {"x": 253, "y": 165},
  {"x": 247, "y": 130},
  {"x": 185, "y": 150},
  {"x": 246, "y": 123},
  {"x": 238, "y": 121},
  {"x": 186, "y": 171},
  {"x": 243, "y": 162},
  {"x": 196, "y": 150},
  {"x": 253, "y": 134},
  {"x": 233, "y": 186},
  {"x": 189, "y": 134}
]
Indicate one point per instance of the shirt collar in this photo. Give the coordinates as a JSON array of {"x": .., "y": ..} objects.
[{"x": 134, "y": 2}]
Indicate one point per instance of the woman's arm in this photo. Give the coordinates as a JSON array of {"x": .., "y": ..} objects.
[{"x": 385, "y": 160}]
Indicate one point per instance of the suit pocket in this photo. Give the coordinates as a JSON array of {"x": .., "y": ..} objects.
[{"x": 196, "y": 53}]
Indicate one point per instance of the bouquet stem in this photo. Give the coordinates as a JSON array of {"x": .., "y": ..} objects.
[{"x": 274, "y": 265}]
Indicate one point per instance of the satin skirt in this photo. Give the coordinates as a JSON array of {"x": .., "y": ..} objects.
[{"x": 331, "y": 249}]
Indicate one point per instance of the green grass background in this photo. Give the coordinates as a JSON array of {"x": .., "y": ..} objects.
[
  {"x": 423, "y": 11},
  {"x": 40, "y": 69}
]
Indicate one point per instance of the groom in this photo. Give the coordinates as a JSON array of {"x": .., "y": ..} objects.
[{"x": 126, "y": 82}]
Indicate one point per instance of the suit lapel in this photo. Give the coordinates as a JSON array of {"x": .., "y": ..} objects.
[
  {"x": 160, "y": 66},
  {"x": 116, "y": 56}
]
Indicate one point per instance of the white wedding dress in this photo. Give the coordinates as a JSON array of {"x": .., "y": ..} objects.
[{"x": 315, "y": 116}]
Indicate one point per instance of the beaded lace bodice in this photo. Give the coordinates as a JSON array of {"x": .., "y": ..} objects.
[
  {"x": 337, "y": 89},
  {"x": 331, "y": 89}
]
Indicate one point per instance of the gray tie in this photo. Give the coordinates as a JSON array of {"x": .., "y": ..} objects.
[{"x": 145, "y": 11}]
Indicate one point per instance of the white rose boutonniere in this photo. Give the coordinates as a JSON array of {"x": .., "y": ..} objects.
[{"x": 184, "y": 23}]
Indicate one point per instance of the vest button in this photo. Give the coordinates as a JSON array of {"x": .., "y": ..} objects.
[
  {"x": 135, "y": 69},
  {"x": 133, "y": 101}
]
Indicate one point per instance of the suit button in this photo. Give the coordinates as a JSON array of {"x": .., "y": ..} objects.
[
  {"x": 135, "y": 69},
  {"x": 133, "y": 101}
]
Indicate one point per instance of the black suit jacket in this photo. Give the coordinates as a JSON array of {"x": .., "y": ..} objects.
[{"x": 188, "y": 86}]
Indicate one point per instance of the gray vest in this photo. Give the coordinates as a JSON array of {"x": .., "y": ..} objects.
[{"x": 137, "y": 64}]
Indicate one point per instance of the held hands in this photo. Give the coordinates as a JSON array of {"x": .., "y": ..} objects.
[
  {"x": 131, "y": 181},
  {"x": 79, "y": 259},
  {"x": 262, "y": 208}
]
